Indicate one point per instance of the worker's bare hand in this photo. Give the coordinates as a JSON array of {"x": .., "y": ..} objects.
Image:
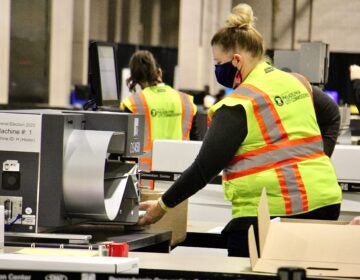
[
  {"x": 355, "y": 221},
  {"x": 153, "y": 212}
]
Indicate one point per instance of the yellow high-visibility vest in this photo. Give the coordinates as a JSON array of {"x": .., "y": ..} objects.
[
  {"x": 168, "y": 115},
  {"x": 283, "y": 150}
]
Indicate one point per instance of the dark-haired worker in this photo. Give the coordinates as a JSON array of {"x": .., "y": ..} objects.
[{"x": 169, "y": 114}]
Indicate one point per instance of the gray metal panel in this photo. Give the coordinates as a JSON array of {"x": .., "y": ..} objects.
[
  {"x": 287, "y": 60},
  {"x": 314, "y": 62},
  {"x": 346, "y": 161},
  {"x": 54, "y": 127}
]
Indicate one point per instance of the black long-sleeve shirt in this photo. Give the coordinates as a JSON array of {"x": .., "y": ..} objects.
[{"x": 227, "y": 131}]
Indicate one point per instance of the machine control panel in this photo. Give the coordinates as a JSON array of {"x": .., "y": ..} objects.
[{"x": 11, "y": 175}]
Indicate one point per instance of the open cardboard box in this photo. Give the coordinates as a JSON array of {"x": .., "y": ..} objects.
[{"x": 322, "y": 248}]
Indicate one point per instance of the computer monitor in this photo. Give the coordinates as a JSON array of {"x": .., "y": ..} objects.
[{"x": 103, "y": 74}]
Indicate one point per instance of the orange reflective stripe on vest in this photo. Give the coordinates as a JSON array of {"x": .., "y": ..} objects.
[
  {"x": 142, "y": 108},
  {"x": 282, "y": 157},
  {"x": 304, "y": 81},
  {"x": 297, "y": 200},
  {"x": 134, "y": 105},
  {"x": 138, "y": 102},
  {"x": 187, "y": 116},
  {"x": 145, "y": 161},
  {"x": 266, "y": 116},
  {"x": 280, "y": 151}
]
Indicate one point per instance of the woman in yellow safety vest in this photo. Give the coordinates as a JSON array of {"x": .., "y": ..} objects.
[
  {"x": 169, "y": 114},
  {"x": 275, "y": 131}
]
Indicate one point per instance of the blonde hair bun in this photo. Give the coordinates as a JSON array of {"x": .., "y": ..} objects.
[{"x": 241, "y": 16}]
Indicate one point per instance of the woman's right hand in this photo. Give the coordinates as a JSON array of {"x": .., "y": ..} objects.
[{"x": 153, "y": 212}]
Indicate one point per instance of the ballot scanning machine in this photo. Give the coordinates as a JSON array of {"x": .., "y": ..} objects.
[{"x": 61, "y": 168}]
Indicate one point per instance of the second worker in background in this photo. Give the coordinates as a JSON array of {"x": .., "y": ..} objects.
[{"x": 169, "y": 114}]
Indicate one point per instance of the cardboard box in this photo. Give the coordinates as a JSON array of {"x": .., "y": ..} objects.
[
  {"x": 322, "y": 248},
  {"x": 174, "y": 220}
]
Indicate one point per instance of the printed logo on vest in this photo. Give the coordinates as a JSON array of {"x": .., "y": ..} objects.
[
  {"x": 278, "y": 100},
  {"x": 162, "y": 113},
  {"x": 291, "y": 97},
  {"x": 269, "y": 69}
]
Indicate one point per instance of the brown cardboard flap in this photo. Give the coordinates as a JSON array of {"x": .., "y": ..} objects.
[
  {"x": 263, "y": 220},
  {"x": 310, "y": 221},
  {"x": 252, "y": 247},
  {"x": 323, "y": 248}
]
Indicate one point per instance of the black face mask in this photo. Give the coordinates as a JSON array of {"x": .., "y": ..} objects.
[{"x": 225, "y": 74}]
